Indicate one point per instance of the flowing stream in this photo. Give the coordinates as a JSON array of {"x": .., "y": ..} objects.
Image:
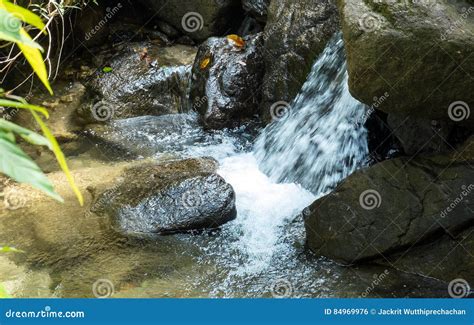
[{"x": 295, "y": 160}]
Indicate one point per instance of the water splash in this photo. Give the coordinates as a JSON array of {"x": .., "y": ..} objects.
[{"x": 321, "y": 140}]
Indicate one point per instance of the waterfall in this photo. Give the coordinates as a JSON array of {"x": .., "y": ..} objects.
[
  {"x": 320, "y": 139},
  {"x": 319, "y": 142}
]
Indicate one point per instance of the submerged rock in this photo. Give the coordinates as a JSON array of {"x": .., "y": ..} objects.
[
  {"x": 226, "y": 80},
  {"x": 143, "y": 79},
  {"x": 393, "y": 206},
  {"x": 417, "y": 51},
  {"x": 145, "y": 136},
  {"x": 166, "y": 198},
  {"x": 295, "y": 34},
  {"x": 198, "y": 19}
]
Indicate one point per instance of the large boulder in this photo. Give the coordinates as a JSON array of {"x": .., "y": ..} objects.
[
  {"x": 144, "y": 78},
  {"x": 198, "y": 19},
  {"x": 166, "y": 198},
  {"x": 394, "y": 205},
  {"x": 295, "y": 34},
  {"x": 226, "y": 80},
  {"x": 448, "y": 258},
  {"x": 417, "y": 51}
]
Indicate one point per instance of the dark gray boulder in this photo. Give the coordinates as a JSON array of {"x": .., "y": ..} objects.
[
  {"x": 295, "y": 34},
  {"x": 394, "y": 205},
  {"x": 199, "y": 19},
  {"x": 419, "y": 135},
  {"x": 417, "y": 51},
  {"x": 226, "y": 80},
  {"x": 143, "y": 78},
  {"x": 165, "y": 198}
]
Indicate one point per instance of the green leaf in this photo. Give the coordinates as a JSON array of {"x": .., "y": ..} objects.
[
  {"x": 10, "y": 30},
  {"x": 34, "y": 57},
  {"x": 17, "y": 165},
  {"x": 8, "y": 249},
  {"x": 15, "y": 104},
  {"x": 3, "y": 293},
  {"x": 28, "y": 135},
  {"x": 23, "y": 14},
  {"x": 107, "y": 69},
  {"x": 59, "y": 157}
]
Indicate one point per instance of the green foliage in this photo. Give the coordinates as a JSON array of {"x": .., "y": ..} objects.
[
  {"x": 13, "y": 161},
  {"x": 3, "y": 293},
  {"x": 16, "y": 164}
]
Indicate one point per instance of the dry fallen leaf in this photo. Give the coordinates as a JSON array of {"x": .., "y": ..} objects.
[{"x": 236, "y": 40}]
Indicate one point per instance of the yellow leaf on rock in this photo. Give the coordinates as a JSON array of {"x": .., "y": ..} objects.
[
  {"x": 205, "y": 63},
  {"x": 236, "y": 40}
]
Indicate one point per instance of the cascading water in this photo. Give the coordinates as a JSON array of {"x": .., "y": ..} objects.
[
  {"x": 321, "y": 139},
  {"x": 319, "y": 143}
]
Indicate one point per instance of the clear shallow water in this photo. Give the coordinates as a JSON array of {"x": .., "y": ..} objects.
[{"x": 260, "y": 254}]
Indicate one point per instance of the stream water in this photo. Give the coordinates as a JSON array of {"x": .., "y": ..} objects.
[{"x": 295, "y": 160}]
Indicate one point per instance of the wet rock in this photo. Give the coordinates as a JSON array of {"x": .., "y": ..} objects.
[
  {"x": 198, "y": 19},
  {"x": 394, "y": 205},
  {"x": 141, "y": 79},
  {"x": 256, "y": 8},
  {"x": 447, "y": 259},
  {"x": 418, "y": 135},
  {"x": 295, "y": 34},
  {"x": 167, "y": 198},
  {"x": 63, "y": 107},
  {"x": 145, "y": 136},
  {"x": 226, "y": 80},
  {"x": 381, "y": 142},
  {"x": 419, "y": 52}
]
